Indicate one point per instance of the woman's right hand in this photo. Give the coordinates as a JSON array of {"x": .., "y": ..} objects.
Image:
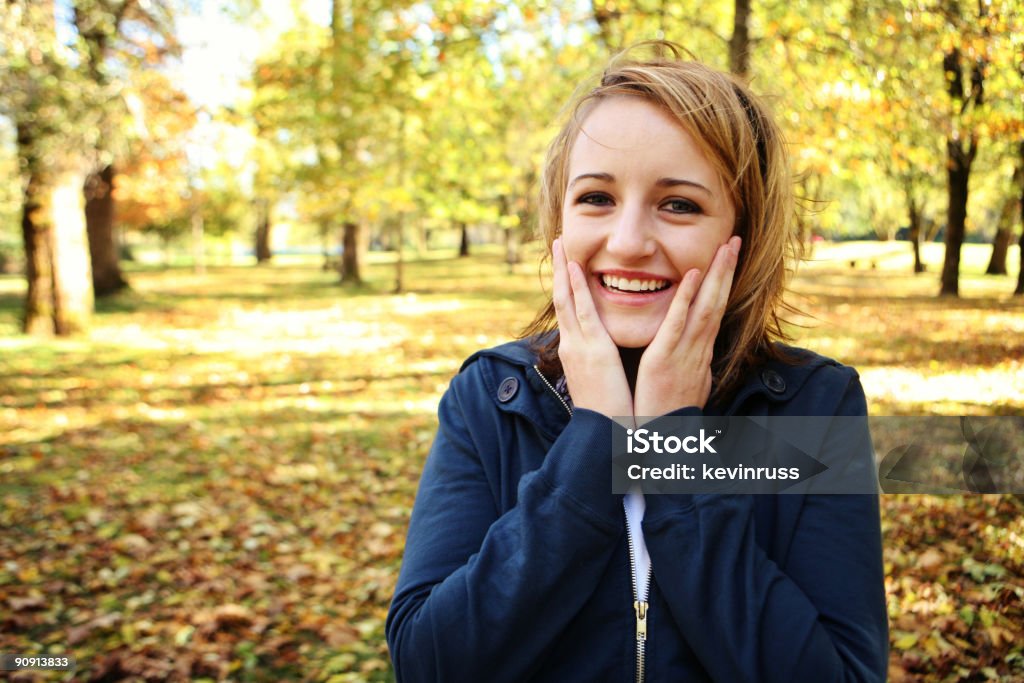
[{"x": 590, "y": 359}]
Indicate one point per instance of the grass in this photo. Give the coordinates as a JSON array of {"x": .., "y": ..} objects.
[{"x": 215, "y": 482}]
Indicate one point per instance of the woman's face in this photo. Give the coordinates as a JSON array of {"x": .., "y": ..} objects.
[{"x": 642, "y": 207}]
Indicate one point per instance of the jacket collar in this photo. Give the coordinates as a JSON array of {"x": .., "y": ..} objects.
[
  {"x": 511, "y": 369},
  {"x": 777, "y": 380},
  {"x": 517, "y": 352}
]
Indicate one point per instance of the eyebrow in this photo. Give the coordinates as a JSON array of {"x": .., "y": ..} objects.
[
  {"x": 662, "y": 182},
  {"x": 672, "y": 182}
]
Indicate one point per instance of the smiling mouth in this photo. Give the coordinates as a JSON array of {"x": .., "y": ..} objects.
[{"x": 622, "y": 284}]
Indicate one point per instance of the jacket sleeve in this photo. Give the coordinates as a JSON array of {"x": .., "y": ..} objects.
[
  {"x": 483, "y": 596},
  {"x": 822, "y": 618}
]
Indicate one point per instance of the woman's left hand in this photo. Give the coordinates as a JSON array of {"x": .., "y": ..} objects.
[{"x": 675, "y": 370}]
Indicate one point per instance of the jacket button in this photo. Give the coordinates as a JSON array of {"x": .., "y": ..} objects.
[
  {"x": 773, "y": 381},
  {"x": 509, "y": 387}
]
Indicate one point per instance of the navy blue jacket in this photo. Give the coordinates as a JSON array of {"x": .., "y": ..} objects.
[{"x": 516, "y": 565}]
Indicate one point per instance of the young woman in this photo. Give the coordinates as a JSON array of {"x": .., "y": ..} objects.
[{"x": 667, "y": 211}]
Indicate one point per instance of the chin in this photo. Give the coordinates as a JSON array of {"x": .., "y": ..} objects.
[{"x": 631, "y": 337}]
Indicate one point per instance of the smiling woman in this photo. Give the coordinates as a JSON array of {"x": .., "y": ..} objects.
[{"x": 666, "y": 209}]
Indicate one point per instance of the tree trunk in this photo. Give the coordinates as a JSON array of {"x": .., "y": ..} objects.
[
  {"x": 512, "y": 248},
  {"x": 1000, "y": 249},
  {"x": 739, "y": 43},
  {"x": 99, "y": 222},
  {"x": 463, "y": 240},
  {"x": 1004, "y": 233},
  {"x": 72, "y": 276},
  {"x": 59, "y": 299},
  {"x": 263, "y": 253},
  {"x": 38, "y": 314},
  {"x": 959, "y": 175},
  {"x": 959, "y": 159},
  {"x": 914, "y": 214},
  {"x": 350, "y": 254}
]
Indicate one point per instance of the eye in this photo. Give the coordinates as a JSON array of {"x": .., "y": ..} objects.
[
  {"x": 681, "y": 206},
  {"x": 595, "y": 199}
]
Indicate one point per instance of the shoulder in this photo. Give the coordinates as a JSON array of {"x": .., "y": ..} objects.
[
  {"x": 487, "y": 371},
  {"x": 504, "y": 381},
  {"x": 803, "y": 367},
  {"x": 801, "y": 382},
  {"x": 518, "y": 353}
]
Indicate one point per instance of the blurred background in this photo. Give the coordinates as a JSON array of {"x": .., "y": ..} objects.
[{"x": 245, "y": 245}]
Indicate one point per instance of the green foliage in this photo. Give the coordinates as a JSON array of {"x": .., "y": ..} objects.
[
  {"x": 10, "y": 198},
  {"x": 44, "y": 87},
  {"x": 440, "y": 113},
  {"x": 445, "y": 111}
]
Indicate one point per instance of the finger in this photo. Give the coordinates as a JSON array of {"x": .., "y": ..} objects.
[
  {"x": 586, "y": 311},
  {"x": 732, "y": 259},
  {"x": 675, "y": 319},
  {"x": 710, "y": 303},
  {"x": 565, "y": 309}
]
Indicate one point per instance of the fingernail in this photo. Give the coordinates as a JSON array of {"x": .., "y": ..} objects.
[{"x": 734, "y": 244}]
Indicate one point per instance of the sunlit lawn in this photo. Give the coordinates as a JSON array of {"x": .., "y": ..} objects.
[{"x": 216, "y": 481}]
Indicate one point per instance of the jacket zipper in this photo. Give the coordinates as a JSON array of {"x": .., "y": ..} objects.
[
  {"x": 553, "y": 390},
  {"x": 640, "y": 606}
]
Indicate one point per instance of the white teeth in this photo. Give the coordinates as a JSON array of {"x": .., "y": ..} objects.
[{"x": 625, "y": 285}]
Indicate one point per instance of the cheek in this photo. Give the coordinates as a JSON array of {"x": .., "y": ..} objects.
[
  {"x": 709, "y": 255},
  {"x": 574, "y": 243},
  {"x": 694, "y": 255}
]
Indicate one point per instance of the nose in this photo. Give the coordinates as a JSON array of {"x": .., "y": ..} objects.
[{"x": 631, "y": 234}]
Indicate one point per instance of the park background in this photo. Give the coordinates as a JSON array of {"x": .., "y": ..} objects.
[{"x": 244, "y": 246}]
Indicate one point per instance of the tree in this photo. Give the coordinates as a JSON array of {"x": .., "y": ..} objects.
[
  {"x": 927, "y": 68},
  {"x": 64, "y": 101},
  {"x": 101, "y": 28},
  {"x": 1004, "y": 227},
  {"x": 899, "y": 119},
  {"x": 1011, "y": 128},
  {"x": 55, "y": 111},
  {"x": 347, "y": 60},
  {"x": 262, "y": 210},
  {"x": 313, "y": 102},
  {"x": 961, "y": 147},
  {"x": 975, "y": 57}
]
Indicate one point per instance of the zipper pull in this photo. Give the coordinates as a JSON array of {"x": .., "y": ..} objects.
[{"x": 641, "y": 619}]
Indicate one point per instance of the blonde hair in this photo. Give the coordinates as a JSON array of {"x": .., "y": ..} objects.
[{"x": 737, "y": 134}]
